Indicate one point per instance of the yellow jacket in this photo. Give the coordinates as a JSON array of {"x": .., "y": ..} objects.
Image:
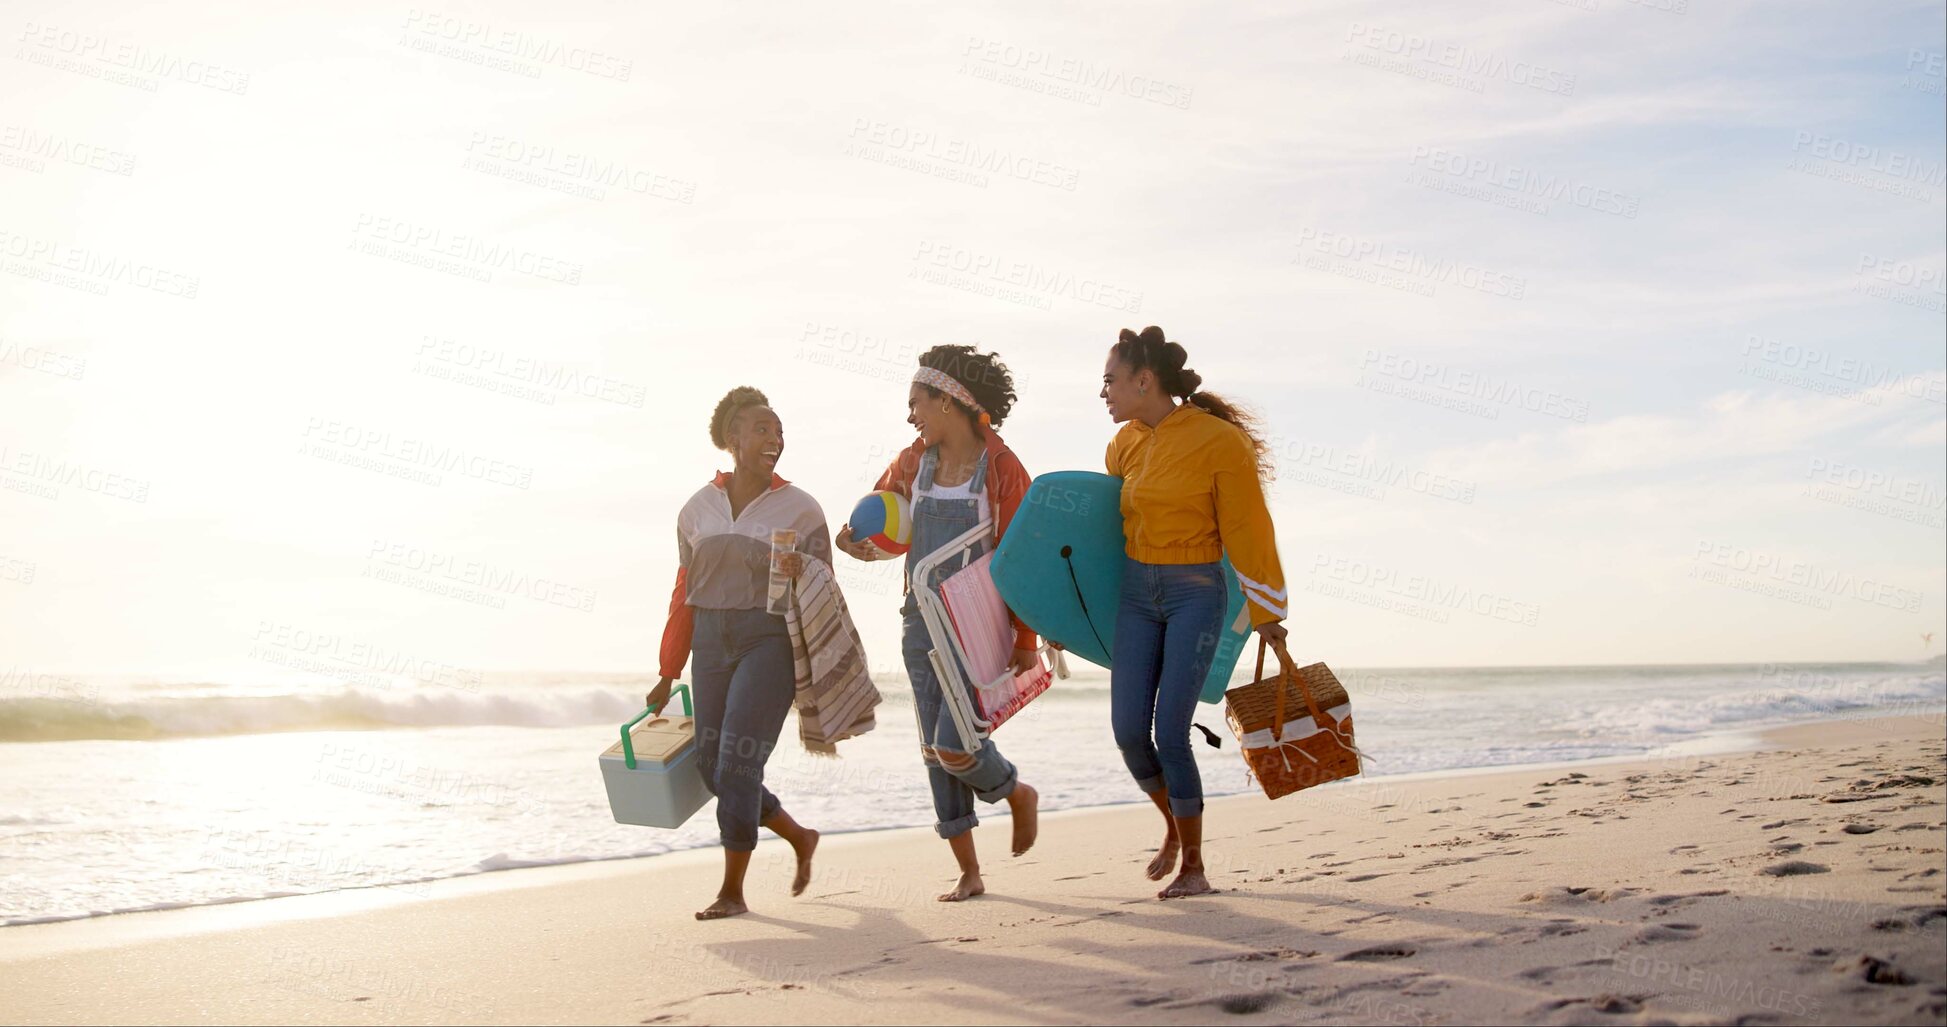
[{"x": 1190, "y": 494}]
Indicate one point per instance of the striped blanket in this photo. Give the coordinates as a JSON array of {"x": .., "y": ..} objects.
[{"x": 835, "y": 694}]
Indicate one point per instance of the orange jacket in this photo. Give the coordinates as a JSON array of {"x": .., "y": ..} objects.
[
  {"x": 1190, "y": 494},
  {"x": 1007, "y": 485}
]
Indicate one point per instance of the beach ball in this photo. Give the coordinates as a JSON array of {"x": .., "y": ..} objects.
[{"x": 884, "y": 519}]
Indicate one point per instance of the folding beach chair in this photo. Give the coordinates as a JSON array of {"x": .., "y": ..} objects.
[{"x": 967, "y": 619}]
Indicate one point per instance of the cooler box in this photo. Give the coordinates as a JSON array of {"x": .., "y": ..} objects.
[{"x": 651, "y": 773}]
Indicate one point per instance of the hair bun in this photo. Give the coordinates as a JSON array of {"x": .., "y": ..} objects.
[
  {"x": 1152, "y": 337},
  {"x": 1175, "y": 356},
  {"x": 1191, "y": 381},
  {"x": 733, "y": 401}
]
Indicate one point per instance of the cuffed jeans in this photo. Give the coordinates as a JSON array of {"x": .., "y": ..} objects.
[
  {"x": 742, "y": 674},
  {"x": 989, "y": 776},
  {"x": 1166, "y": 634}
]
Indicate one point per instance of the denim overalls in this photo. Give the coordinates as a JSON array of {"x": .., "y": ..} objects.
[{"x": 990, "y": 776}]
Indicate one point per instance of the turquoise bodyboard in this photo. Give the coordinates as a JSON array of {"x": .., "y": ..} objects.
[{"x": 1059, "y": 567}]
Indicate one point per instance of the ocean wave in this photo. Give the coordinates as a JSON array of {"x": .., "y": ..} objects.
[
  {"x": 12, "y": 820},
  {"x": 139, "y": 714},
  {"x": 39, "y": 719},
  {"x": 1790, "y": 700}
]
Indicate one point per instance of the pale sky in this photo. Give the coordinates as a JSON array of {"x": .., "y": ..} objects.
[{"x": 1585, "y": 332}]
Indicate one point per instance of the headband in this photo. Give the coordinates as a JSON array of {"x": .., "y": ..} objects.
[{"x": 944, "y": 382}]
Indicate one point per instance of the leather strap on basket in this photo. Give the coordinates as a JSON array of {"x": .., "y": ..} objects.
[{"x": 1288, "y": 675}]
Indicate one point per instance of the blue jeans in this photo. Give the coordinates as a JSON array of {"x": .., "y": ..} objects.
[
  {"x": 987, "y": 775},
  {"x": 742, "y": 674},
  {"x": 1166, "y": 634}
]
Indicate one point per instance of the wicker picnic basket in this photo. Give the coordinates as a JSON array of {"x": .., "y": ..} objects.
[{"x": 1295, "y": 727}]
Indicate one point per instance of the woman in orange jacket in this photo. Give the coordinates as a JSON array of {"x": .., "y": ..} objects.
[
  {"x": 957, "y": 474},
  {"x": 1191, "y": 492}
]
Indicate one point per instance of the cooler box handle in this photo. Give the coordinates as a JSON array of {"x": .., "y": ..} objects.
[{"x": 628, "y": 744}]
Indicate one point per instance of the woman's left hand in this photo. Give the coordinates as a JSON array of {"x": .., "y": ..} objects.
[
  {"x": 790, "y": 564},
  {"x": 1024, "y": 660},
  {"x": 1272, "y": 632}
]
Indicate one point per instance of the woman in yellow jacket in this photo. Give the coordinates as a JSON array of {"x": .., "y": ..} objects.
[{"x": 1191, "y": 493}]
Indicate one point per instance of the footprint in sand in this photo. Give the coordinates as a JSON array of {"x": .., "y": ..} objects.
[
  {"x": 1794, "y": 868},
  {"x": 1568, "y": 896},
  {"x": 1258, "y": 956},
  {"x": 1667, "y": 932},
  {"x": 1604, "y": 1003},
  {"x": 1244, "y": 1005},
  {"x": 1872, "y": 970},
  {"x": 1378, "y": 954},
  {"x": 1679, "y": 901}
]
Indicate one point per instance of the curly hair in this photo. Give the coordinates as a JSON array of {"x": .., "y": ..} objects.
[
  {"x": 1147, "y": 350},
  {"x": 733, "y": 402},
  {"x": 983, "y": 374}
]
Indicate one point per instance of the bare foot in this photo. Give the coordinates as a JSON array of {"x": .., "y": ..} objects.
[
  {"x": 804, "y": 851},
  {"x": 970, "y": 885},
  {"x": 1189, "y": 882},
  {"x": 722, "y": 908},
  {"x": 1025, "y": 803},
  {"x": 1165, "y": 860}
]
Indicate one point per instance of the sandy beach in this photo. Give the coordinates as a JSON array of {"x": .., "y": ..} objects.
[{"x": 1798, "y": 882}]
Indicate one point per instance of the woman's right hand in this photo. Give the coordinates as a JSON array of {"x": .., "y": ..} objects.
[
  {"x": 659, "y": 695},
  {"x": 855, "y": 549}
]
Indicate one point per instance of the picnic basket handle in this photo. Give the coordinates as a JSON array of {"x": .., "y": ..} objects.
[
  {"x": 1288, "y": 674},
  {"x": 1311, "y": 701},
  {"x": 1284, "y": 659},
  {"x": 628, "y": 744},
  {"x": 1285, "y": 675}
]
